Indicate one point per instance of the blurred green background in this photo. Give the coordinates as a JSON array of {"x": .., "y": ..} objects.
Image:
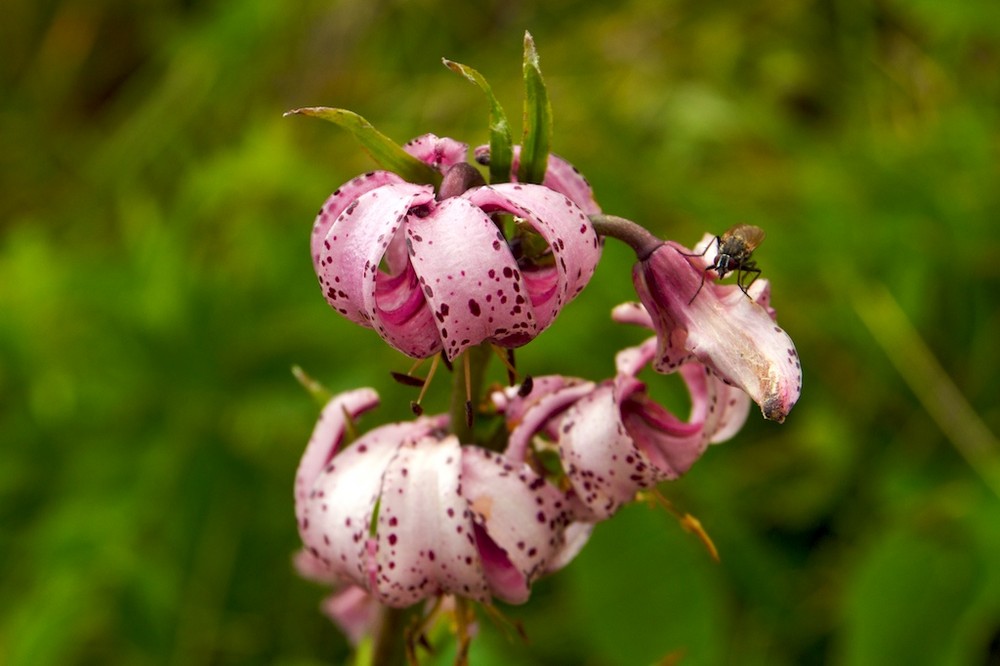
[{"x": 156, "y": 287}]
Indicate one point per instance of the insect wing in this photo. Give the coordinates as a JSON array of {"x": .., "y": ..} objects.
[{"x": 750, "y": 235}]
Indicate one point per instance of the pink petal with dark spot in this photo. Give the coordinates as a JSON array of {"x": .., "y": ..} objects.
[
  {"x": 505, "y": 581},
  {"x": 599, "y": 456},
  {"x": 564, "y": 226},
  {"x": 574, "y": 539},
  {"x": 523, "y": 514},
  {"x": 341, "y": 501},
  {"x": 718, "y": 408},
  {"x": 424, "y": 536},
  {"x": 327, "y": 436},
  {"x": 354, "y": 245},
  {"x": 670, "y": 444},
  {"x": 341, "y": 199},
  {"x": 474, "y": 288},
  {"x": 540, "y": 412}
]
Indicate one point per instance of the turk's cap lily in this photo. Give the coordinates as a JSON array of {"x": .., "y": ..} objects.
[
  {"x": 734, "y": 336},
  {"x": 613, "y": 439},
  {"x": 406, "y": 512},
  {"x": 431, "y": 275}
]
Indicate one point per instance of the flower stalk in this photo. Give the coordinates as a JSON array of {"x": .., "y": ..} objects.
[
  {"x": 442, "y": 265},
  {"x": 467, "y": 378}
]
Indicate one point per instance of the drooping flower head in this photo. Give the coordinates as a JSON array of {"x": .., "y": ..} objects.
[
  {"x": 431, "y": 273},
  {"x": 731, "y": 332},
  {"x": 407, "y": 513},
  {"x": 612, "y": 438},
  {"x": 728, "y": 328}
]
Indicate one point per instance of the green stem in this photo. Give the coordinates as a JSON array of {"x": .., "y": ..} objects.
[
  {"x": 390, "y": 640},
  {"x": 475, "y": 359}
]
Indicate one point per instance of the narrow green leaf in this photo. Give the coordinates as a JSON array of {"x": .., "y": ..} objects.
[
  {"x": 537, "y": 118},
  {"x": 501, "y": 150},
  {"x": 386, "y": 152},
  {"x": 319, "y": 392}
]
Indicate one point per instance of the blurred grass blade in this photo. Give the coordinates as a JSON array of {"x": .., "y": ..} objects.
[
  {"x": 320, "y": 393},
  {"x": 386, "y": 152},
  {"x": 501, "y": 150},
  {"x": 537, "y": 137},
  {"x": 907, "y": 351}
]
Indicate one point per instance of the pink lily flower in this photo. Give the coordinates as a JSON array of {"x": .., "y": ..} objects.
[
  {"x": 732, "y": 335},
  {"x": 612, "y": 438},
  {"x": 407, "y": 513},
  {"x": 431, "y": 275}
]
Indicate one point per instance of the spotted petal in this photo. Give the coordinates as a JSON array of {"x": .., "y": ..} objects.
[
  {"x": 337, "y": 202},
  {"x": 523, "y": 515},
  {"x": 564, "y": 226},
  {"x": 425, "y": 544},
  {"x": 337, "y": 513},
  {"x": 600, "y": 457},
  {"x": 327, "y": 437},
  {"x": 469, "y": 278}
]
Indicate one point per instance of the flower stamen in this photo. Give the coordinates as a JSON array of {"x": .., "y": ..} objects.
[
  {"x": 506, "y": 357},
  {"x": 688, "y": 522},
  {"x": 415, "y": 405},
  {"x": 468, "y": 390}
]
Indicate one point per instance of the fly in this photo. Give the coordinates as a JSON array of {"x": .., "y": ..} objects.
[{"x": 736, "y": 248}]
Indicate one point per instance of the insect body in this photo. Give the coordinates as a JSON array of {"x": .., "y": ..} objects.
[{"x": 735, "y": 247}]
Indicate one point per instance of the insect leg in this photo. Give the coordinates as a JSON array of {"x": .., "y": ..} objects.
[
  {"x": 718, "y": 241},
  {"x": 744, "y": 270},
  {"x": 712, "y": 266},
  {"x": 702, "y": 284}
]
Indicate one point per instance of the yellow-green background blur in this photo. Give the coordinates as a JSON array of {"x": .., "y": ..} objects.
[{"x": 156, "y": 287}]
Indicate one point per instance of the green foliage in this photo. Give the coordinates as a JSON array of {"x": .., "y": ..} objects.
[
  {"x": 536, "y": 141},
  {"x": 156, "y": 289},
  {"x": 388, "y": 154},
  {"x": 501, "y": 143}
]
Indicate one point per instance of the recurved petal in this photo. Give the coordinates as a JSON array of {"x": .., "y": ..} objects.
[
  {"x": 670, "y": 444},
  {"x": 350, "y": 254},
  {"x": 540, "y": 411},
  {"x": 599, "y": 456},
  {"x": 717, "y": 407},
  {"x": 343, "y": 197},
  {"x": 722, "y": 408},
  {"x": 564, "y": 226},
  {"x": 337, "y": 512},
  {"x": 400, "y": 314},
  {"x": 505, "y": 581},
  {"x": 327, "y": 436},
  {"x": 521, "y": 513},
  {"x": 438, "y": 152},
  {"x": 469, "y": 277},
  {"x": 574, "y": 539},
  {"x": 425, "y": 544}
]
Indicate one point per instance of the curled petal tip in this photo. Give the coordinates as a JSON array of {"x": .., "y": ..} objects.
[{"x": 774, "y": 410}]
